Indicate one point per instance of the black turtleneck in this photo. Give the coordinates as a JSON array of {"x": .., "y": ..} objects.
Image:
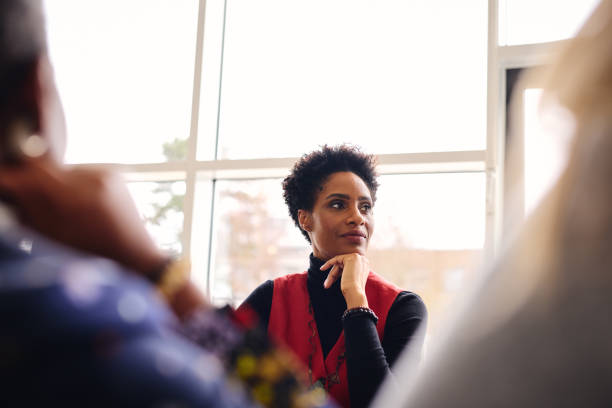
[{"x": 367, "y": 360}]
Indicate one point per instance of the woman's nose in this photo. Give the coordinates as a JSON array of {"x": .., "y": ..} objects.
[{"x": 355, "y": 216}]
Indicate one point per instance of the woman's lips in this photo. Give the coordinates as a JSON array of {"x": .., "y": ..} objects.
[{"x": 354, "y": 238}]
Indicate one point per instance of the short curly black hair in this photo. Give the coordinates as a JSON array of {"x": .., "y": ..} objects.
[{"x": 300, "y": 188}]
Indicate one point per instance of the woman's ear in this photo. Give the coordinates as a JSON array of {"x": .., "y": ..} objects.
[{"x": 305, "y": 220}]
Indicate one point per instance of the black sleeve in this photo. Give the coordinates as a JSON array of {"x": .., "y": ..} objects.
[
  {"x": 368, "y": 360},
  {"x": 260, "y": 301},
  {"x": 407, "y": 314}
]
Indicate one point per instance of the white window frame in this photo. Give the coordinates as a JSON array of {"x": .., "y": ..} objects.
[{"x": 490, "y": 160}]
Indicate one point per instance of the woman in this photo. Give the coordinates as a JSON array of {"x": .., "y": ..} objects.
[
  {"x": 537, "y": 333},
  {"x": 346, "y": 323}
]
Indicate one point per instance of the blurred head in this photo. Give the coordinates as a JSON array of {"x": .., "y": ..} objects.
[
  {"x": 330, "y": 194},
  {"x": 580, "y": 79},
  {"x": 570, "y": 233},
  {"x": 29, "y": 102}
]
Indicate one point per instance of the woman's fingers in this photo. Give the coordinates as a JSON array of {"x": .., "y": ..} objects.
[
  {"x": 329, "y": 263},
  {"x": 352, "y": 270},
  {"x": 337, "y": 263},
  {"x": 334, "y": 275}
]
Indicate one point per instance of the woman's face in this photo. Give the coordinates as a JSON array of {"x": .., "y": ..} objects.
[{"x": 341, "y": 220}]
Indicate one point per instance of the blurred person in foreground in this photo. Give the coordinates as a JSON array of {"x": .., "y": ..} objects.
[
  {"x": 84, "y": 292},
  {"x": 346, "y": 323},
  {"x": 538, "y": 332}
]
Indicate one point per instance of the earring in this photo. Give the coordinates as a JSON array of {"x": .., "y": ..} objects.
[
  {"x": 24, "y": 142},
  {"x": 33, "y": 146}
]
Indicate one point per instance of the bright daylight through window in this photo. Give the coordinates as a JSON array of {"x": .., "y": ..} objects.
[{"x": 206, "y": 110}]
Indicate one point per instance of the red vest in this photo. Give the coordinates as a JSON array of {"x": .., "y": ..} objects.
[{"x": 293, "y": 324}]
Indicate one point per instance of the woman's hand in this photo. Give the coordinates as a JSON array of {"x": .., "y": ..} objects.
[
  {"x": 86, "y": 208},
  {"x": 353, "y": 270}
]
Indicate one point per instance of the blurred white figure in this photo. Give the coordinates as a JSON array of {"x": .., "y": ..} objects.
[{"x": 538, "y": 332}]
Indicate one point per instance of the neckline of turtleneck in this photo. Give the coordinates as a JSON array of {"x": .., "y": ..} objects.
[{"x": 314, "y": 270}]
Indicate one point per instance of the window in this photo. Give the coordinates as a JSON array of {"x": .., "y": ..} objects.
[
  {"x": 125, "y": 73},
  {"x": 161, "y": 205},
  {"x": 352, "y": 71},
  {"x": 205, "y": 105},
  {"x": 539, "y": 141},
  {"x": 255, "y": 239},
  {"x": 429, "y": 235}
]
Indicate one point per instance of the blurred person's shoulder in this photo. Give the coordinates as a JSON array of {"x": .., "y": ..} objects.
[
  {"x": 52, "y": 287},
  {"x": 76, "y": 329}
]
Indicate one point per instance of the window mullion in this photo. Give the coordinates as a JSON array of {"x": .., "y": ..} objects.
[
  {"x": 494, "y": 149},
  {"x": 192, "y": 142}
]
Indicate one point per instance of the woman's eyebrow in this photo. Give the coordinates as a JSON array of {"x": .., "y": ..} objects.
[
  {"x": 347, "y": 197},
  {"x": 338, "y": 195}
]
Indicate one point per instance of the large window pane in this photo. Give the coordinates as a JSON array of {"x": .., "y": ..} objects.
[
  {"x": 254, "y": 239},
  {"x": 429, "y": 235},
  {"x": 529, "y": 21},
  {"x": 125, "y": 73},
  {"x": 375, "y": 73},
  {"x": 161, "y": 206}
]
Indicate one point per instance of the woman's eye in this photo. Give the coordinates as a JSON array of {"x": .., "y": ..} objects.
[
  {"x": 366, "y": 208},
  {"x": 337, "y": 204}
]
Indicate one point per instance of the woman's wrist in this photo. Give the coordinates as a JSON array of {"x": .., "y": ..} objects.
[
  {"x": 354, "y": 300},
  {"x": 359, "y": 311}
]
